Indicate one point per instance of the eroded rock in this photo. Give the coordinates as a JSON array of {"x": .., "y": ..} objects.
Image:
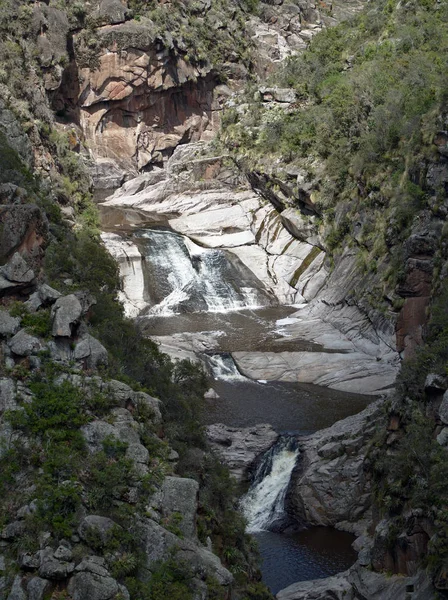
[
  {"x": 66, "y": 313},
  {"x": 238, "y": 448},
  {"x": 330, "y": 485}
]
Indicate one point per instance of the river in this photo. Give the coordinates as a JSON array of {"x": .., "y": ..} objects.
[{"x": 200, "y": 302}]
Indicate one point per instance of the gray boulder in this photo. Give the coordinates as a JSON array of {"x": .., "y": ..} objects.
[
  {"x": 43, "y": 296},
  {"x": 443, "y": 409},
  {"x": 52, "y": 568},
  {"x": 435, "y": 383},
  {"x": 91, "y": 352},
  {"x": 15, "y": 274},
  {"x": 111, "y": 12},
  {"x": 180, "y": 495},
  {"x": 17, "y": 270},
  {"x": 66, "y": 313},
  {"x": 37, "y": 588},
  {"x": 93, "y": 564},
  {"x": 152, "y": 403},
  {"x": 17, "y": 592},
  {"x": 238, "y": 448},
  {"x": 99, "y": 530},
  {"x": 24, "y": 228},
  {"x": 24, "y": 344},
  {"x": 159, "y": 544},
  {"x": 8, "y": 325},
  {"x": 13, "y": 530},
  {"x": 91, "y": 586}
]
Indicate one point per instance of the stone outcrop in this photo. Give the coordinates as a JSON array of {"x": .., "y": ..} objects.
[
  {"x": 239, "y": 448},
  {"x": 136, "y": 100},
  {"x": 330, "y": 485},
  {"x": 204, "y": 198},
  {"x": 416, "y": 289},
  {"x": 24, "y": 229},
  {"x": 359, "y": 584},
  {"x": 349, "y": 372},
  {"x": 16, "y": 277}
]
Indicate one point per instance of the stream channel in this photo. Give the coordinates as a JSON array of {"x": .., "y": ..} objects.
[{"x": 189, "y": 297}]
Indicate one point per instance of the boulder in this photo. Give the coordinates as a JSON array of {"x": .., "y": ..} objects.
[
  {"x": 66, "y": 313},
  {"x": 443, "y": 409},
  {"x": 37, "y": 588},
  {"x": 91, "y": 352},
  {"x": 110, "y": 12},
  {"x": 153, "y": 404},
  {"x": 7, "y": 395},
  {"x": 24, "y": 344},
  {"x": 238, "y": 448},
  {"x": 158, "y": 544},
  {"x": 24, "y": 229},
  {"x": 8, "y": 325},
  {"x": 43, "y": 296},
  {"x": 17, "y": 592},
  {"x": 276, "y": 94},
  {"x": 15, "y": 275},
  {"x": 52, "y": 568},
  {"x": 180, "y": 495},
  {"x": 92, "y": 586},
  {"x": 96, "y": 530},
  {"x": 93, "y": 564},
  {"x": 435, "y": 383},
  {"x": 336, "y": 588}
]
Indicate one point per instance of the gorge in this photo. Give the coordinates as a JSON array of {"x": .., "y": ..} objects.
[{"x": 223, "y": 290}]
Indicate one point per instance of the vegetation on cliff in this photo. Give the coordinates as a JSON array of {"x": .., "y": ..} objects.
[{"x": 370, "y": 97}]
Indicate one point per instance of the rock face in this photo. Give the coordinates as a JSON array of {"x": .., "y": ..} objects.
[
  {"x": 329, "y": 485},
  {"x": 359, "y": 584},
  {"x": 16, "y": 276},
  {"x": 24, "y": 229},
  {"x": 348, "y": 372},
  {"x": 139, "y": 101},
  {"x": 238, "y": 448},
  {"x": 420, "y": 249}
]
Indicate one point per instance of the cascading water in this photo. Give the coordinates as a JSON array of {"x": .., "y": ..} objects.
[
  {"x": 184, "y": 277},
  {"x": 223, "y": 367},
  {"x": 264, "y": 503}
]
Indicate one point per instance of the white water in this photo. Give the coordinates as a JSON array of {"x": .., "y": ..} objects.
[
  {"x": 186, "y": 277},
  {"x": 264, "y": 503},
  {"x": 224, "y": 368}
]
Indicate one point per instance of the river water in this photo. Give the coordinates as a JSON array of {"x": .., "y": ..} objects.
[{"x": 188, "y": 296}]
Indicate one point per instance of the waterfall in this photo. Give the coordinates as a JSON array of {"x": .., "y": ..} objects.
[
  {"x": 184, "y": 277},
  {"x": 264, "y": 503},
  {"x": 223, "y": 367}
]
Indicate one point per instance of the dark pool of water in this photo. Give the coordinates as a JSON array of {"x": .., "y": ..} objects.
[
  {"x": 312, "y": 554},
  {"x": 294, "y": 407}
]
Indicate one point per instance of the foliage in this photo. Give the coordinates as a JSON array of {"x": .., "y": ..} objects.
[
  {"x": 170, "y": 580},
  {"x": 201, "y": 33}
]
